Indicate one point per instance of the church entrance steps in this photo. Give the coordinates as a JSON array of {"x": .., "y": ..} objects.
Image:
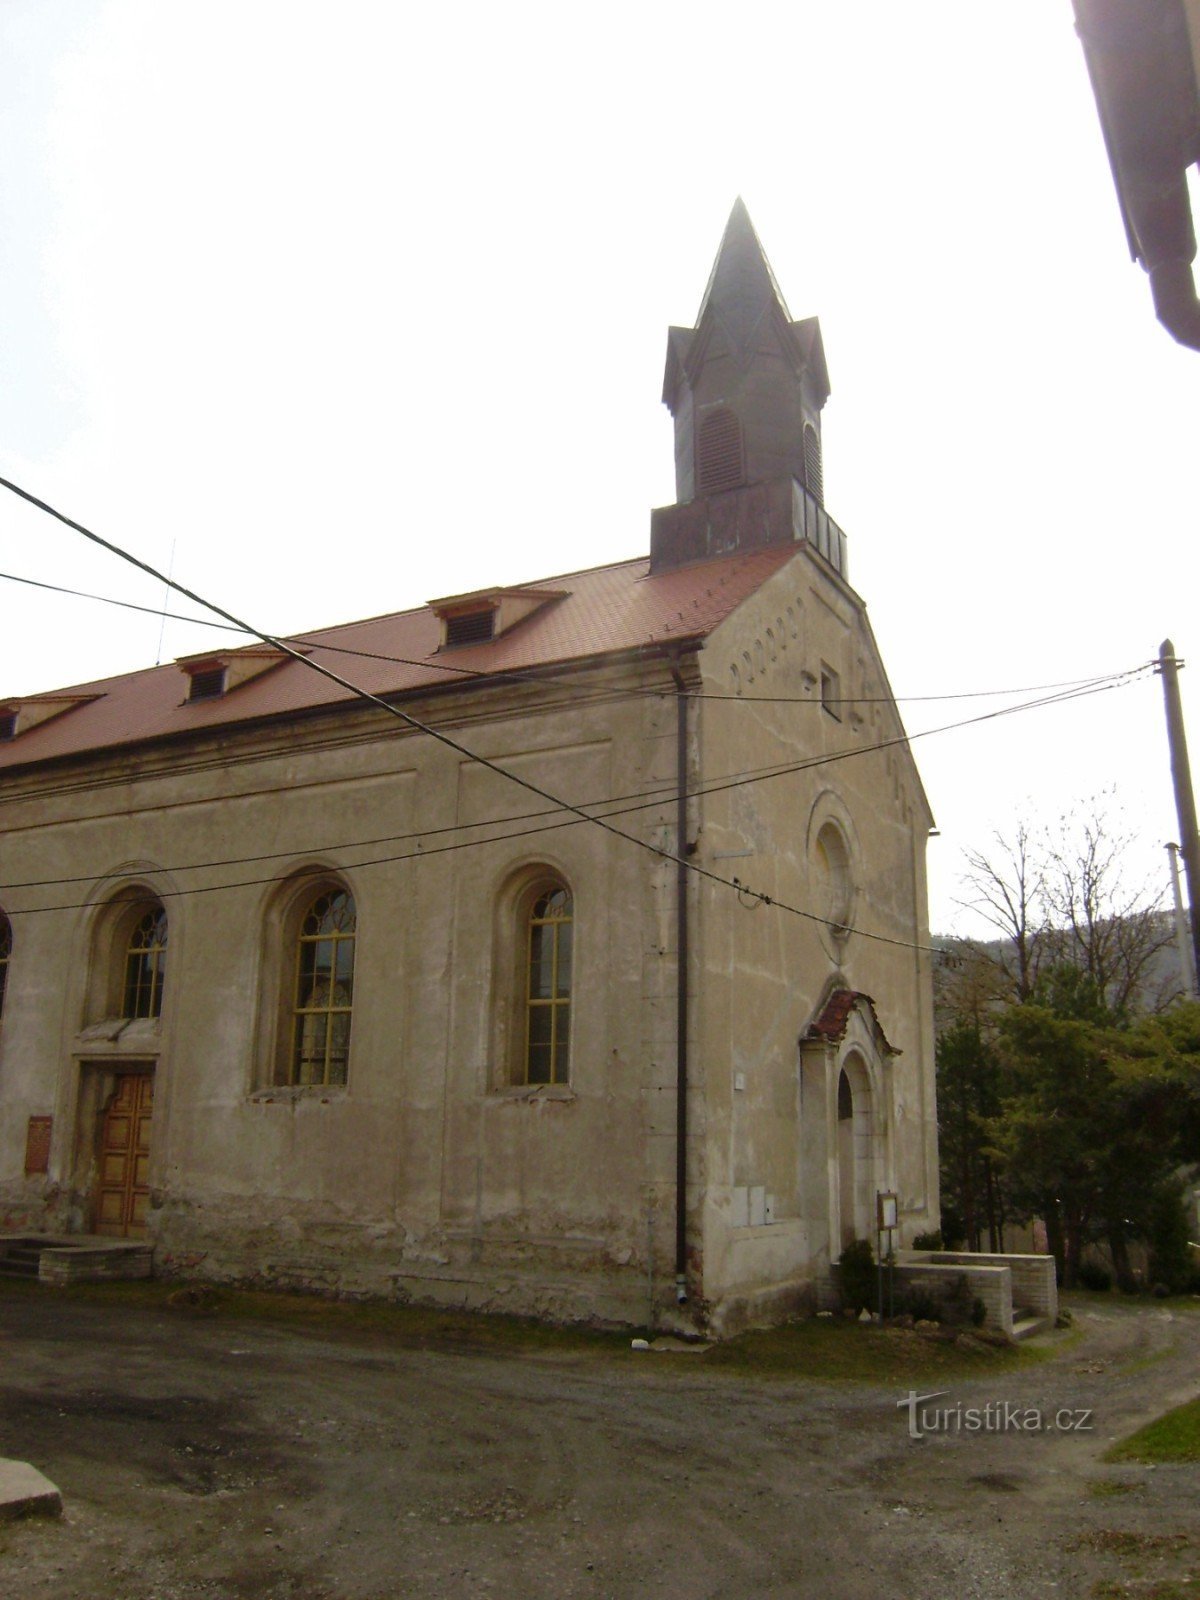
[{"x": 73, "y": 1258}]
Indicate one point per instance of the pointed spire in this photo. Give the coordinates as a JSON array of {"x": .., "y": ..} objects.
[
  {"x": 745, "y": 388},
  {"x": 741, "y": 286}
]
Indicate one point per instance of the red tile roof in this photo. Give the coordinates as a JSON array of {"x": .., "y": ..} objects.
[
  {"x": 605, "y": 610},
  {"x": 832, "y": 1021}
]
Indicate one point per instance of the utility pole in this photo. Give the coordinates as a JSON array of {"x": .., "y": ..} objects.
[
  {"x": 1181, "y": 774},
  {"x": 1187, "y": 961}
]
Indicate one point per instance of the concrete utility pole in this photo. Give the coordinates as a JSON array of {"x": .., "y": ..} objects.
[
  {"x": 1187, "y": 961},
  {"x": 1181, "y": 773}
]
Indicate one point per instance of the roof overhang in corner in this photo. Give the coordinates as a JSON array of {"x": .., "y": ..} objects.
[{"x": 1144, "y": 63}]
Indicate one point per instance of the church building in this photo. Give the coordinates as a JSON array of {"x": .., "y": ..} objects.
[{"x": 578, "y": 966}]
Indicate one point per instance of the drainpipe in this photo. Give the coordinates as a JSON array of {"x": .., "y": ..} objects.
[
  {"x": 681, "y": 985},
  {"x": 1175, "y": 302}
]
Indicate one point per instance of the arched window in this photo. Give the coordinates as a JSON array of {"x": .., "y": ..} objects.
[
  {"x": 548, "y": 987},
  {"x": 146, "y": 965},
  {"x": 719, "y": 457},
  {"x": 833, "y": 881},
  {"x": 320, "y": 1037},
  {"x": 813, "y": 480},
  {"x": 5, "y": 953},
  {"x": 845, "y": 1098}
]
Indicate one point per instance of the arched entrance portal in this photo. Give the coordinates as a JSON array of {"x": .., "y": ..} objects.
[{"x": 855, "y": 1152}]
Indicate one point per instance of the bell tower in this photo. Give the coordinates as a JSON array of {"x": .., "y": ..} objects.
[{"x": 746, "y": 387}]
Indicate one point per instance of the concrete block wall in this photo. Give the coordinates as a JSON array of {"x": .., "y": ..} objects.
[
  {"x": 1034, "y": 1285},
  {"x": 991, "y": 1283}
]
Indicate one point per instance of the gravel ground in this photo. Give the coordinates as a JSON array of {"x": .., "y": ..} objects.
[{"x": 233, "y": 1458}]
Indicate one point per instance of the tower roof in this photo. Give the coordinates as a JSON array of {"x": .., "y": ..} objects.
[
  {"x": 741, "y": 285},
  {"x": 742, "y": 293}
]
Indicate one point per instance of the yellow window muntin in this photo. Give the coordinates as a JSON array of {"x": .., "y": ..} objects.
[
  {"x": 146, "y": 965},
  {"x": 548, "y": 988},
  {"x": 324, "y": 991}
]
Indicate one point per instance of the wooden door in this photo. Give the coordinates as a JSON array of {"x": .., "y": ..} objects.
[{"x": 125, "y": 1157}]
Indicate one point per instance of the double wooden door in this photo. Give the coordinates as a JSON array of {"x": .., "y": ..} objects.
[{"x": 124, "y": 1187}]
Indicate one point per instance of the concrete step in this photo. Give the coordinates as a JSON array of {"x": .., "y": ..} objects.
[
  {"x": 1026, "y": 1323},
  {"x": 24, "y": 1492},
  {"x": 21, "y": 1261}
]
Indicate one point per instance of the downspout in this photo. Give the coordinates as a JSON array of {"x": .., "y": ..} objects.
[
  {"x": 681, "y": 985},
  {"x": 1175, "y": 302}
]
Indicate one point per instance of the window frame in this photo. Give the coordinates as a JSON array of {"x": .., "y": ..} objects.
[
  {"x": 293, "y": 941},
  {"x": 517, "y": 896},
  {"x": 144, "y": 964},
  {"x": 558, "y": 1001}
]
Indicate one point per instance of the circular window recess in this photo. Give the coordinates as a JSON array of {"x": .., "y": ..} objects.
[{"x": 833, "y": 884}]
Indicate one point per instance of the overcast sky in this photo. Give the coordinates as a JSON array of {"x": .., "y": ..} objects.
[{"x": 342, "y": 308}]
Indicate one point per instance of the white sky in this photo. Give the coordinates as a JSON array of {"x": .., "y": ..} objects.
[{"x": 353, "y": 305}]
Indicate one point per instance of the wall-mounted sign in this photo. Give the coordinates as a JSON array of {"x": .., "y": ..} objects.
[{"x": 37, "y": 1145}]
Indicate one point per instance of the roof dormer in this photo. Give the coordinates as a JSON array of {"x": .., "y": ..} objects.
[
  {"x": 216, "y": 673},
  {"x": 20, "y": 715},
  {"x": 487, "y": 613}
]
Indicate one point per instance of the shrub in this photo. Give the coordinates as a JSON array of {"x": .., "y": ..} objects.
[
  {"x": 921, "y": 1305},
  {"x": 857, "y": 1276},
  {"x": 928, "y": 1241},
  {"x": 954, "y": 1229},
  {"x": 1167, "y": 1237},
  {"x": 1094, "y": 1276}
]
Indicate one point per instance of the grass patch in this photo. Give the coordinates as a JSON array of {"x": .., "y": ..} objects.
[
  {"x": 1158, "y": 1589},
  {"x": 1120, "y": 1542},
  {"x": 370, "y": 1322},
  {"x": 832, "y": 1348},
  {"x": 813, "y": 1348},
  {"x": 1106, "y": 1488},
  {"x": 1170, "y": 1438}
]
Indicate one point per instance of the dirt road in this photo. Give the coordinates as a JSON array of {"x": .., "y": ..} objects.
[{"x": 231, "y": 1458}]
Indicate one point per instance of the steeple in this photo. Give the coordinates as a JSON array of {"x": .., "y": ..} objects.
[
  {"x": 746, "y": 387},
  {"x": 741, "y": 286}
]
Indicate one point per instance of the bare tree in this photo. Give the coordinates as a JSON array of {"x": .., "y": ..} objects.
[
  {"x": 1111, "y": 928},
  {"x": 1062, "y": 896},
  {"x": 1008, "y": 889}
]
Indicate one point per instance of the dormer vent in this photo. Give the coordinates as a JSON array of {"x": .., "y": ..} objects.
[
  {"x": 207, "y": 684},
  {"x": 215, "y": 674},
  {"x": 487, "y": 614},
  {"x": 19, "y": 716},
  {"x": 471, "y": 627}
]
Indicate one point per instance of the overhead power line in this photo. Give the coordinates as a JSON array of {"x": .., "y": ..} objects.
[
  {"x": 304, "y": 642},
  {"x": 622, "y": 805},
  {"x": 443, "y": 738}
]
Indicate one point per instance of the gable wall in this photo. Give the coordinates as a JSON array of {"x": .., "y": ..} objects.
[{"x": 765, "y": 971}]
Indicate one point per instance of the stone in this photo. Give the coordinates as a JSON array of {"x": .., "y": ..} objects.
[{"x": 25, "y": 1492}]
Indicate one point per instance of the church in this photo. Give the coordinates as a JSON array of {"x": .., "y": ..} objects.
[{"x": 559, "y": 949}]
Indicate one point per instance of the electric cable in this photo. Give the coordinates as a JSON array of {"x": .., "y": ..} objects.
[
  {"x": 443, "y": 738},
  {"x": 756, "y": 897},
  {"x": 643, "y": 799},
  {"x": 305, "y": 641}
]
